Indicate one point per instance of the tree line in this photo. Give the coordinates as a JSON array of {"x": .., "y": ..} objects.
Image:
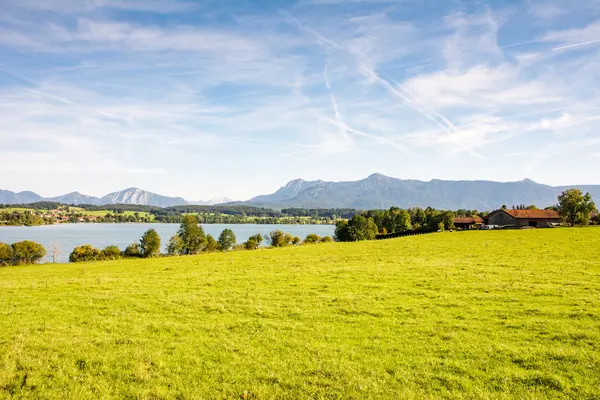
[
  {"x": 574, "y": 207},
  {"x": 190, "y": 239}
]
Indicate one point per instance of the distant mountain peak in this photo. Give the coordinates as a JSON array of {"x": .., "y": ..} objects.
[{"x": 377, "y": 177}]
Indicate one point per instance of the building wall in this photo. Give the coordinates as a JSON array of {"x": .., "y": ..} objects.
[
  {"x": 501, "y": 219},
  {"x": 541, "y": 223}
]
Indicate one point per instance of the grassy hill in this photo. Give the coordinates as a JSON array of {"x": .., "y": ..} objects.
[{"x": 513, "y": 314}]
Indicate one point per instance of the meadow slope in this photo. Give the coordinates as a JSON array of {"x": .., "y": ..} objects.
[{"x": 473, "y": 315}]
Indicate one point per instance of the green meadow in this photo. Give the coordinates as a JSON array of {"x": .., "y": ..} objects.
[{"x": 463, "y": 315}]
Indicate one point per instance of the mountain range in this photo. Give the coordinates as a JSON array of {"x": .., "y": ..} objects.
[
  {"x": 381, "y": 192},
  {"x": 374, "y": 192},
  {"x": 127, "y": 196}
]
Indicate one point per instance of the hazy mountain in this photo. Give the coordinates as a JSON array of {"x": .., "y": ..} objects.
[
  {"x": 211, "y": 202},
  {"x": 8, "y": 197},
  {"x": 380, "y": 191},
  {"x": 75, "y": 198},
  {"x": 127, "y": 196},
  {"x": 141, "y": 197}
]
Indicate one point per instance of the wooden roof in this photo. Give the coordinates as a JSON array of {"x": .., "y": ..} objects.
[
  {"x": 468, "y": 220},
  {"x": 530, "y": 214}
]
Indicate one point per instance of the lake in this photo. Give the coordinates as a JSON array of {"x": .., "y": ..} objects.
[{"x": 69, "y": 236}]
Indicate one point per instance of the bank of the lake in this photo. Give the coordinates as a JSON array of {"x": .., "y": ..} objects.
[{"x": 68, "y": 236}]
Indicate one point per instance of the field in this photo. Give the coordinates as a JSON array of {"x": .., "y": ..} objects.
[{"x": 473, "y": 315}]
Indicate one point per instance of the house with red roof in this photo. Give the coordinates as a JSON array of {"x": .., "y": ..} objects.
[
  {"x": 523, "y": 218},
  {"x": 468, "y": 222}
]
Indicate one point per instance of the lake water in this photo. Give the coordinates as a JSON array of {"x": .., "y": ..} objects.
[{"x": 69, "y": 236}]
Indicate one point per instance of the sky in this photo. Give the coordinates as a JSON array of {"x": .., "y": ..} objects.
[{"x": 211, "y": 98}]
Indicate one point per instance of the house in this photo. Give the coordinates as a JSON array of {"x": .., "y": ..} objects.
[
  {"x": 523, "y": 218},
  {"x": 468, "y": 222}
]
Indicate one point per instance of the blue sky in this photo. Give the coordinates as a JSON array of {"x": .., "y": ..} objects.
[{"x": 236, "y": 97}]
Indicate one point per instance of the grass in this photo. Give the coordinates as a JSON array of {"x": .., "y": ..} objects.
[{"x": 473, "y": 315}]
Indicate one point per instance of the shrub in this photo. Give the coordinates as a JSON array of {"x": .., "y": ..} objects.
[
  {"x": 277, "y": 238},
  {"x": 251, "y": 244},
  {"x": 175, "y": 246},
  {"x": 84, "y": 253},
  {"x": 288, "y": 239},
  {"x": 150, "y": 244},
  {"x": 312, "y": 239},
  {"x": 326, "y": 239},
  {"x": 226, "y": 240},
  {"x": 110, "y": 253},
  {"x": 211, "y": 245},
  {"x": 6, "y": 255},
  {"x": 27, "y": 252},
  {"x": 132, "y": 251},
  {"x": 296, "y": 241}
]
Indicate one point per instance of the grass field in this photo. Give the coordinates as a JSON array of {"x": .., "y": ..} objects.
[{"x": 473, "y": 315}]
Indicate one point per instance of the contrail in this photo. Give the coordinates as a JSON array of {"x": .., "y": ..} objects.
[
  {"x": 575, "y": 45},
  {"x": 409, "y": 102},
  {"x": 344, "y": 128},
  {"x": 320, "y": 37},
  {"x": 59, "y": 99}
]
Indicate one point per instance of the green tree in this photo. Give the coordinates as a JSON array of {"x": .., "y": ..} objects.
[
  {"x": 132, "y": 251},
  {"x": 111, "y": 252},
  {"x": 211, "y": 244},
  {"x": 312, "y": 238},
  {"x": 27, "y": 252},
  {"x": 402, "y": 221},
  {"x": 84, "y": 253},
  {"x": 342, "y": 233},
  {"x": 6, "y": 255},
  {"x": 175, "y": 246},
  {"x": 575, "y": 207},
  {"x": 191, "y": 234},
  {"x": 150, "y": 244},
  {"x": 226, "y": 240},
  {"x": 362, "y": 228}
]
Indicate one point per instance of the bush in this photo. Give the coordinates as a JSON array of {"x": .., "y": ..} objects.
[
  {"x": 226, "y": 240},
  {"x": 6, "y": 255},
  {"x": 175, "y": 246},
  {"x": 211, "y": 245},
  {"x": 296, "y": 241},
  {"x": 312, "y": 239},
  {"x": 110, "y": 253},
  {"x": 326, "y": 239},
  {"x": 84, "y": 253},
  {"x": 27, "y": 252},
  {"x": 150, "y": 244},
  {"x": 132, "y": 251},
  {"x": 277, "y": 238},
  {"x": 251, "y": 244}
]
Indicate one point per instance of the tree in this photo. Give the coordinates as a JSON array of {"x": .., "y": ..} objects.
[
  {"x": 111, "y": 252},
  {"x": 402, "y": 222},
  {"x": 150, "y": 244},
  {"x": 296, "y": 240},
  {"x": 6, "y": 255},
  {"x": 226, "y": 240},
  {"x": 326, "y": 239},
  {"x": 55, "y": 248},
  {"x": 84, "y": 253},
  {"x": 132, "y": 251},
  {"x": 362, "y": 228},
  {"x": 312, "y": 238},
  {"x": 342, "y": 234},
  {"x": 211, "y": 245},
  {"x": 175, "y": 246},
  {"x": 288, "y": 239},
  {"x": 191, "y": 234},
  {"x": 27, "y": 252},
  {"x": 575, "y": 207}
]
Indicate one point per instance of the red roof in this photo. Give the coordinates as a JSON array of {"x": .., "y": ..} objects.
[
  {"x": 468, "y": 220},
  {"x": 533, "y": 214}
]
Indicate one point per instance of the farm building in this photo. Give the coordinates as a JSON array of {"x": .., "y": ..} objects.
[
  {"x": 468, "y": 222},
  {"x": 523, "y": 218}
]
